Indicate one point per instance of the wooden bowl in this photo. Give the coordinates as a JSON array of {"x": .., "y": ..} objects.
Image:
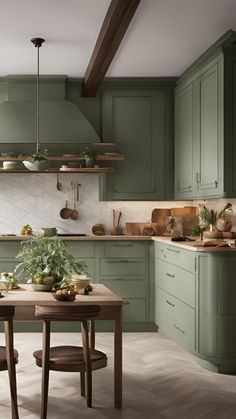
[
  {"x": 99, "y": 229},
  {"x": 61, "y": 297}
]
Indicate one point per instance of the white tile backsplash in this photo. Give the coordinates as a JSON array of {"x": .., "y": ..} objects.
[{"x": 33, "y": 199}]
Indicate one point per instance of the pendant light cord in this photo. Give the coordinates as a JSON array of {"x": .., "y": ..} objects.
[
  {"x": 37, "y": 43},
  {"x": 37, "y": 104}
]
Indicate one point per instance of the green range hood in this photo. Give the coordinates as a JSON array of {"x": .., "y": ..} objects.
[{"x": 60, "y": 120}]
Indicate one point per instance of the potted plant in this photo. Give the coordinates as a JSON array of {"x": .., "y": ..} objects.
[
  {"x": 88, "y": 155},
  {"x": 45, "y": 261},
  {"x": 37, "y": 161},
  {"x": 209, "y": 217},
  {"x": 224, "y": 222}
]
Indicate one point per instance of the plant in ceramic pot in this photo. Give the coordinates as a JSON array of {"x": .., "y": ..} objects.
[
  {"x": 45, "y": 261},
  {"x": 224, "y": 222},
  {"x": 209, "y": 217},
  {"x": 37, "y": 161},
  {"x": 88, "y": 155}
]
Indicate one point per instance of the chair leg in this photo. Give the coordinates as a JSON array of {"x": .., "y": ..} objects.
[
  {"x": 45, "y": 369},
  {"x": 8, "y": 327},
  {"x": 82, "y": 384},
  {"x": 87, "y": 359}
]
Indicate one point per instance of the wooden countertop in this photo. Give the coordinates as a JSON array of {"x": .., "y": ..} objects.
[
  {"x": 80, "y": 238},
  {"x": 197, "y": 246}
]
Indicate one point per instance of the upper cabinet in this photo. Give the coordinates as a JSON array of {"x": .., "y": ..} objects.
[
  {"x": 140, "y": 122},
  {"x": 205, "y": 104}
]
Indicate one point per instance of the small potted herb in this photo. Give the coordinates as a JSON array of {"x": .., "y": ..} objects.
[{"x": 89, "y": 156}]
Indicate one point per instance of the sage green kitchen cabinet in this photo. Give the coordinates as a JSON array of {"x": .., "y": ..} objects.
[
  {"x": 195, "y": 303},
  {"x": 184, "y": 153},
  {"x": 205, "y": 99},
  {"x": 141, "y": 124},
  {"x": 175, "y": 294},
  {"x": 199, "y": 134},
  {"x": 123, "y": 266},
  {"x": 83, "y": 253},
  {"x": 8, "y": 252}
]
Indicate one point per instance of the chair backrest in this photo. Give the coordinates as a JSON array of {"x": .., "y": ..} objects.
[
  {"x": 6, "y": 313},
  {"x": 67, "y": 313}
]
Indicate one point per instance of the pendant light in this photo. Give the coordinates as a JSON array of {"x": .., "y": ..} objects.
[
  {"x": 37, "y": 161},
  {"x": 37, "y": 43}
]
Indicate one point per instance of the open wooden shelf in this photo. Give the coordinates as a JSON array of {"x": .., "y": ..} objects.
[
  {"x": 57, "y": 170},
  {"x": 100, "y": 157}
]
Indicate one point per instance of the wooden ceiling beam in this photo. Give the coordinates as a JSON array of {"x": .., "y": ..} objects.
[{"x": 114, "y": 27}]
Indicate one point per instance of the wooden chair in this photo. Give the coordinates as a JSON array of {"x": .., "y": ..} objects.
[
  {"x": 9, "y": 356},
  {"x": 68, "y": 358}
]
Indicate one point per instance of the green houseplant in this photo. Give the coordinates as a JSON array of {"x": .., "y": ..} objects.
[
  {"x": 45, "y": 261},
  {"x": 89, "y": 156}
]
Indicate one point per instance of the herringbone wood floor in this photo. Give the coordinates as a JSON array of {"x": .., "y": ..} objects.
[{"x": 161, "y": 381}]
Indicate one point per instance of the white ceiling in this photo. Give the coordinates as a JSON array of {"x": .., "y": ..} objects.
[{"x": 164, "y": 37}]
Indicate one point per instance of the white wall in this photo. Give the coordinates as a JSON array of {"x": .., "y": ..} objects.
[{"x": 33, "y": 199}]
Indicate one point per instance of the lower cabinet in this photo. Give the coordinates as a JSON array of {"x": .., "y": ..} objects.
[
  {"x": 197, "y": 309},
  {"x": 8, "y": 252},
  {"x": 123, "y": 266},
  {"x": 175, "y": 319}
]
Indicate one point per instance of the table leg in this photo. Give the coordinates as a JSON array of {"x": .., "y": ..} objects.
[{"x": 118, "y": 358}]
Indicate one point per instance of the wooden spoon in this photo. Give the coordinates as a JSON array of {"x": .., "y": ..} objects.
[{"x": 74, "y": 213}]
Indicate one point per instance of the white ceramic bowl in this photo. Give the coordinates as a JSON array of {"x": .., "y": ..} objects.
[{"x": 36, "y": 165}]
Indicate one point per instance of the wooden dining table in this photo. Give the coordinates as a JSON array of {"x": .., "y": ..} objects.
[{"x": 25, "y": 299}]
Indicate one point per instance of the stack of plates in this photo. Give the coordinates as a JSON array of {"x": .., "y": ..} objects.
[{"x": 10, "y": 164}]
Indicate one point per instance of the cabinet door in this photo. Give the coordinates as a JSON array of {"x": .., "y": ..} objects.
[
  {"x": 140, "y": 123},
  {"x": 209, "y": 131},
  {"x": 184, "y": 170}
]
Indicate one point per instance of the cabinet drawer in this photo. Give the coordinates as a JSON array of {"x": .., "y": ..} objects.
[
  {"x": 186, "y": 259},
  {"x": 125, "y": 288},
  {"x": 90, "y": 264},
  {"x": 81, "y": 249},
  {"x": 175, "y": 319},
  {"x": 9, "y": 249},
  {"x": 121, "y": 249},
  {"x": 8, "y": 265},
  {"x": 122, "y": 267},
  {"x": 176, "y": 281},
  {"x": 134, "y": 310}
]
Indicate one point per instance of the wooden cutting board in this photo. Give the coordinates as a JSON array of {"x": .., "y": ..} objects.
[
  {"x": 138, "y": 229},
  {"x": 220, "y": 234},
  {"x": 189, "y": 215}
]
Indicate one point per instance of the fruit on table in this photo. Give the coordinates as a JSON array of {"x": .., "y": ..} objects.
[{"x": 26, "y": 230}]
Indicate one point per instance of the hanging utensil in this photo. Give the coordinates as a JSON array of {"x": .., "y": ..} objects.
[
  {"x": 65, "y": 212},
  {"x": 59, "y": 184},
  {"x": 74, "y": 214},
  {"x": 119, "y": 218},
  {"x": 78, "y": 186}
]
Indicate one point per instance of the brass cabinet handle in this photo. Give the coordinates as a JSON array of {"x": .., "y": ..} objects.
[
  {"x": 173, "y": 250},
  {"x": 123, "y": 261},
  {"x": 122, "y": 245},
  {"x": 170, "y": 304},
  {"x": 179, "y": 329},
  {"x": 170, "y": 275}
]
